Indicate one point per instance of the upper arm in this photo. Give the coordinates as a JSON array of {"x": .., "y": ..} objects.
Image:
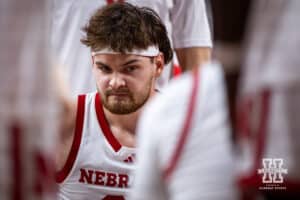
[
  {"x": 192, "y": 57},
  {"x": 190, "y": 24},
  {"x": 191, "y": 33}
]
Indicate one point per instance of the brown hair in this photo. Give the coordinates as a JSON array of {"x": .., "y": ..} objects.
[{"x": 124, "y": 27}]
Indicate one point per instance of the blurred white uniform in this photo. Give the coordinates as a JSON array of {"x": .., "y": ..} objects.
[
  {"x": 27, "y": 107},
  {"x": 186, "y": 22},
  {"x": 269, "y": 108},
  {"x": 184, "y": 149}
]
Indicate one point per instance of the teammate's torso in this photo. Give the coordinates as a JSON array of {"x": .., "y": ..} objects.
[{"x": 98, "y": 167}]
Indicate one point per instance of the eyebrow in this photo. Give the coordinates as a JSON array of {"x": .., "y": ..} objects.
[
  {"x": 130, "y": 62},
  {"x": 100, "y": 63},
  {"x": 127, "y": 63}
]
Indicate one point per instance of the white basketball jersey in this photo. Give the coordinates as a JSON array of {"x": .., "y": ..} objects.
[{"x": 98, "y": 166}]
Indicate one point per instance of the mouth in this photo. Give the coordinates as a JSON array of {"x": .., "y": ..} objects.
[{"x": 119, "y": 94}]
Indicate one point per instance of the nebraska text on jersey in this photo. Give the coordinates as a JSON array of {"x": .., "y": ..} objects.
[{"x": 103, "y": 178}]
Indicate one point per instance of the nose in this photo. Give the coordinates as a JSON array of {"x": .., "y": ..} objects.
[{"x": 116, "y": 81}]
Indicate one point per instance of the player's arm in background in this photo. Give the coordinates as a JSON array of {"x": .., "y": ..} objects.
[
  {"x": 67, "y": 115},
  {"x": 191, "y": 33},
  {"x": 192, "y": 57}
]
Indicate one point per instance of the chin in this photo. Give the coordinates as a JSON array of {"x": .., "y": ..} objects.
[{"x": 123, "y": 110}]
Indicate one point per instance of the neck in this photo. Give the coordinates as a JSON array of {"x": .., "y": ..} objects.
[{"x": 125, "y": 122}]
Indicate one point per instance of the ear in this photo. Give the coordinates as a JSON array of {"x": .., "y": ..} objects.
[
  {"x": 93, "y": 59},
  {"x": 160, "y": 63},
  {"x": 93, "y": 62}
]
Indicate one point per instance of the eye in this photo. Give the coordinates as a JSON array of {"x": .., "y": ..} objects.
[
  {"x": 104, "y": 69},
  {"x": 130, "y": 69}
]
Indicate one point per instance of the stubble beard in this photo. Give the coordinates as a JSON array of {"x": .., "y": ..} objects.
[{"x": 128, "y": 104}]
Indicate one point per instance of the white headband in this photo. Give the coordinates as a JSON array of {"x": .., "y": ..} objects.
[{"x": 150, "y": 51}]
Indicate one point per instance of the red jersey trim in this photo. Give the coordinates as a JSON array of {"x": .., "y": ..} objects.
[
  {"x": 62, "y": 174},
  {"x": 262, "y": 134},
  {"x": 185, "y": 130},
  {"x": 105, "y": 126},
  {"x": 254, "y": 179},
  {"x": 16, "y": 148},
  {"x": 114, "y": 1}
]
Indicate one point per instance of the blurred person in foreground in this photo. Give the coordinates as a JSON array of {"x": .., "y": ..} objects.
[
  {"x": 184, "y": 137},
  {"x": 28, "y": 109},
  {"x": 184, "y": 147},
  {"x": 129, "y": 47},
  {"x": 268, "y": 107},
  {"x": 184, "y": 140}
]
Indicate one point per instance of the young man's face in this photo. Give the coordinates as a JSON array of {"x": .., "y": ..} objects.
[{"x": 125, "y": 82}]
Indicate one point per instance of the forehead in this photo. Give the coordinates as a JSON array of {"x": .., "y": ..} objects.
[{"x": 118, "y": 59}]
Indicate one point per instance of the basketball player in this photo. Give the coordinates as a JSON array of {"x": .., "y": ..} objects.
[
  {"x": 186, "y": 22},
  {"x": 268, "y": 111},
  {"x": 129, "y": 47},
  {"x": 184, "y": 141}
]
